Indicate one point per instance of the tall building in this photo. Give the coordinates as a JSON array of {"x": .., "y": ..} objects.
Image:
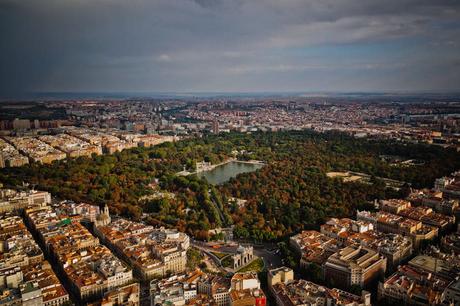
[
  {"x": 215, "y": 127},
  {"x": 21, "y": 124}
]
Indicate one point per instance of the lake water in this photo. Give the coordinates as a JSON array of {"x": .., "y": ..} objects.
[{"x": 223, "y": 173}]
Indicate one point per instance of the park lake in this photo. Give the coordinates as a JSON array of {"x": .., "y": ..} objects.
[{"x": 223, "y": 173}]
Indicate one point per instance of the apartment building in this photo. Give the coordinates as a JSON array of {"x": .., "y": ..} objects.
[
  {"x": 451, "y": 243},
  {"x": 176, "y": 290},
  {"x": 413, "y": 286},
  {"x": 427, "y": 216},
  {"x": 302, "y": 292},
  {"x": 89, "y": 267},
  {"x": 37, "y": 150},
  {"x": 17, "y": 245},
  {"x": 434, "y": 199},
  {"x": 394, "y": 247},
  {"x": 10, "y": 157},
  {"x": 279, "y": 275},
  {"x": 245, "y": 290},
  {"x": 52, "y": 291},
  {"x": 153, "y": 140},
  {"x": 314, "y": 247},
  {"x": 152, "y": 252},
  {"x": 13, "y": 200},
  {"x": 108, "y": 142},
  {"x": 128, "y": 295},
  {"x": 72, "y": 146},
  {"x": 216, "y": 287},
  {"x": 394, "y": 206},
  {"x": 25, "y": 278},
  {"x": 390, "y": 223},
  {"x": 354, "y": 265},
  {"x": 449, "y": 186}
]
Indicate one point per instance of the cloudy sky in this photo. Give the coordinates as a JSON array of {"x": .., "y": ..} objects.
[{"x": 229, "y": 45}]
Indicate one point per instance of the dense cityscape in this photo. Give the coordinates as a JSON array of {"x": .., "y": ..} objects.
[
  {"x": 229, "y": 153},
  {"x": 79, "y": 128},
  {"x": 400, "y": 243}
]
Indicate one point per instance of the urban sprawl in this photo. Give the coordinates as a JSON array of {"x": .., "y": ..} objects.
[
  {"x": 58, "y": 252},
  {"x": 81, "y": 128}
]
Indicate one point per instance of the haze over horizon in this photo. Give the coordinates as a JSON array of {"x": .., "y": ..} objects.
[{"x": 229, "y": 46}]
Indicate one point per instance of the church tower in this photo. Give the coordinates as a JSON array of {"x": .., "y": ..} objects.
[{"x": 104, "y": 217}]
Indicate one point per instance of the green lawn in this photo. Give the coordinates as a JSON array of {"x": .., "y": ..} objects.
[
  {"x": 227, "y": 261},
  {"x": 256, "y": 265}
]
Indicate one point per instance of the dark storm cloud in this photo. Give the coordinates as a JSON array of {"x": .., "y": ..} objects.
[{"x": 172, "y": 45}]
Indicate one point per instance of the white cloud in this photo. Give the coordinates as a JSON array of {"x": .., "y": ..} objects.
[{"x": 164, "y": 58}]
